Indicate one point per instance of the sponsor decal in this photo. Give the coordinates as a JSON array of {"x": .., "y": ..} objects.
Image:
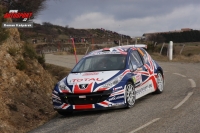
[
  {"x": 82, "y": 96},
  {"x": 137, "y": 79},
  {"x": 55, "y": 96},
  {"x": 115, "y": 98},
  {"x": 124, "y": 53},
  {"x": 134, "y": 79},
  {"x": 56, "y": 107},
  {"x": 90, "y": 73},
  {"x": 57, "y": 101},
  {"x": 114, "y": 52},
  {"x": 115, "y": 104},
  {"x": 143, "y": 89},
  {"x": 86, "y": 79},
  {"x": 117, "y": 88}
]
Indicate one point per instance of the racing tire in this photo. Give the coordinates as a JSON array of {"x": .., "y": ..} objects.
[
  {"x": 160, "y": 83},
  {"x": 130, "y": 95},
  {"x": 65, "y": 113}
]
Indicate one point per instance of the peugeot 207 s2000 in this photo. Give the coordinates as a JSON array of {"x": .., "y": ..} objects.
[{"x": 109, "y": 77}]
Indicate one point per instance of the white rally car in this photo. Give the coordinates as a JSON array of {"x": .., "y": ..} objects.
[{"x": 107, "y": 78}]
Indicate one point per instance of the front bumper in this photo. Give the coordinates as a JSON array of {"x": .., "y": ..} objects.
[
  {"x": 81, "y": 99},
  {"x": 90, "y": 101}
]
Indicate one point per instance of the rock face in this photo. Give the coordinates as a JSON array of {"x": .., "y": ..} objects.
[{"x": 25, "y": 95}]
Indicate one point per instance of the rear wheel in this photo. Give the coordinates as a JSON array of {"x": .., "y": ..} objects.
[
  {"x": 160, "y": 83},
  {"x": 130, "y": 95}
]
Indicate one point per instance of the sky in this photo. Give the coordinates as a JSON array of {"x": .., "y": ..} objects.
[{"x": 128, "y": 17}]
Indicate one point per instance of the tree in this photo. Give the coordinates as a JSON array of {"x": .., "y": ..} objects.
[{"x": 156, "y": 38}]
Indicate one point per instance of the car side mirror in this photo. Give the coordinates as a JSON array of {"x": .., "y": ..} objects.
[{"x": 134, "y": 67}]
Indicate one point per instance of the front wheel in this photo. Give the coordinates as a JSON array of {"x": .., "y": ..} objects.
[
  {"x": 160, "y": 83},
  {"x": 130, "y": 95}
]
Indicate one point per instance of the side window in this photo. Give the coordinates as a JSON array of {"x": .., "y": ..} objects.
[
  {"x": 130, "y": 64},
  {"x": 136, "y": 59},
  {"x": 144, "y": 55}
]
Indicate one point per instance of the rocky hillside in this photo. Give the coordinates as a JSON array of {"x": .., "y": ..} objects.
[{"x": 25, "y": 87}]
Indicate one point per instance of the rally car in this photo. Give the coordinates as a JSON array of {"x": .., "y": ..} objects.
[{"x": 108, "y": 78}]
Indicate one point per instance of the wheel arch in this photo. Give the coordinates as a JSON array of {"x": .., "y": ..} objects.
[
  {"x": 131, "y": 80},
  {"x": 159, "y": 69}
]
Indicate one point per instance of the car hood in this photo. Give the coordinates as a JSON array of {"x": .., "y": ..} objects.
[{"x": 90, "y": 77}]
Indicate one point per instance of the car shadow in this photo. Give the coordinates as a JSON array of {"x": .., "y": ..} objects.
[{"x": 90, "y": 112}]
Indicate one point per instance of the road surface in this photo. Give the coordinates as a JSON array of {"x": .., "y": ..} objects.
[{"x": 176, "y": 110}]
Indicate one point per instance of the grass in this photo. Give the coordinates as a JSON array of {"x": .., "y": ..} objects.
[
  {"x": 176, "y": 58},
  {"x": 190, "y": 52}
]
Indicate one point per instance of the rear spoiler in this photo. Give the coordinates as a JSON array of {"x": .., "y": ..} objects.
[
  {"x": 140, "y": 46},
  {"x": 135, "y": 45}
]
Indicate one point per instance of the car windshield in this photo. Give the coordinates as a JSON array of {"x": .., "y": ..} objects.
[{"x": 106, "y": 62}]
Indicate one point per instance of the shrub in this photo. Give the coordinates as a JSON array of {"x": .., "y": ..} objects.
[
  {"x": 12, "y": 51},
  {"x": 29, "y": 51},
  {"x": 22, "y": 35},
  {"x": 41, "y": 60},
  {"x": 21, "y": 64}
]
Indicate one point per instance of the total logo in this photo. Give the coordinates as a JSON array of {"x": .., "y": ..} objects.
[{"x": 86, "y": 79}]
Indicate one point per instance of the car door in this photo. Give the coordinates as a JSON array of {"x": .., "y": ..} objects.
[
  {"x": 140, "y": 74},
  {"x": 150, "y": 67}
]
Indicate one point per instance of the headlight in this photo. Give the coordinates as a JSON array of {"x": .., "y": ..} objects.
[
  {"x": 112, "y": 82},
  {"x": 62, "y": 86}
]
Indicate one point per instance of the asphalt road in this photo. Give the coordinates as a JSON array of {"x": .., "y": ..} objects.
[{"x": 176, "y": 110}]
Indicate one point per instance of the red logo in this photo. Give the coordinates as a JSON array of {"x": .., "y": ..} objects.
[
  {"x": 90, "y": 73},
  {"x": 18, "y": 15}
]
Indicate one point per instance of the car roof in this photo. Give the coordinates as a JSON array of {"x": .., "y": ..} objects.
[{"x": 116, "y": 50}]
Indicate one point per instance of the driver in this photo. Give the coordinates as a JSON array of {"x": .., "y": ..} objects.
[{"x": 104, "y": 63}]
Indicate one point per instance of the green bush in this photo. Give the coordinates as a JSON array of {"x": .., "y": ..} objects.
[
  {"x": 41, "y": 60},
  {"x": 12, "y": 51},
  {"x": 22, "y": 35},
  {"x": 21, "y": 64},
  {"x": 29, "y": 51}
]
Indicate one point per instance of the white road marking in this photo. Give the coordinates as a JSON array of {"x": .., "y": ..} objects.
[
  {"x": 184, "y": 100},
  {"x": 193, "y": 84},
  {"x": 179, "y": 74},
  {"x": 145, "y": 125}
]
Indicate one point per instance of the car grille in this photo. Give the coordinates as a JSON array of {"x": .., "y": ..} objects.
[{"x": 89, "y": 98}]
